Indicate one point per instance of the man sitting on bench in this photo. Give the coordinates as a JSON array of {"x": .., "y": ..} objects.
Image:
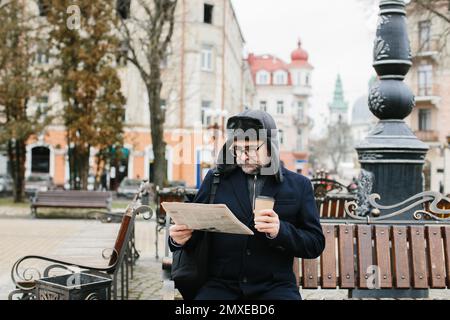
[{"x": 258, "y": 266}]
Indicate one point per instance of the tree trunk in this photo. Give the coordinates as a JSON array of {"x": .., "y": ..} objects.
[
  {"x": 79, "y": 168},
  {"x": 17, "y": 153},
  {"x": 157, "y": 119}
]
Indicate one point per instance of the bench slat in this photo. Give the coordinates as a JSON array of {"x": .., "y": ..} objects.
[
  {"x": 319, "y": 205},
  {"x": 417, "y": 246},
  {"x": 400, "y": 254},
  {"x": 446, "y": 231},
  {"x": 296, "y": 268},
  {"x": 383, "y": 256},
  {"x": 364, "y": 242},
  {"x": 346, "y": 262},
  {"x": 325, "y": 209},
  {"x": 328, "y": 258},
  {"x": 310, "y": 272},
  {"x": 341, "y": 208},
  {"x": 333, "y": 209},
  {"x": 435, "y": 257}
]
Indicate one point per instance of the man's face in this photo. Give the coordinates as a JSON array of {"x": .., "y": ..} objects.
[{"x": 251, "y": 155}]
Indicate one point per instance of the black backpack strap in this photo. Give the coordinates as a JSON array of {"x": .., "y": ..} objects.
[{"x": 215, "y": 185}]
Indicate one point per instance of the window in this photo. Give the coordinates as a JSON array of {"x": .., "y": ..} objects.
[
  {"x": 263, "y": 106},
  {"x": 263, "y": 77},
  {"x": 424, "y": 119},
  {"x": 42, "y": 104},
  {"x": 208, "y": 13},
  {"x": 425, "y": 77},
  {"x": 280, "y": 78},
  {"x": 123, "y": 8},
  {"x": 424, "y": 35},
  {"x": 122, "y": 54},
  {"x": 162, "y": 103},
  {"x": 44, "y": 6},
  {"x": 299, "y": 139},
  {"x": 40, "y": 160},
  {"x": 307, "y": 79},
  {"x": 206, "y": 113},
  {"x": 42, "y": 57},
  {"x": 281, "y": 132},
  {"x": 165, "y": 58},
  {"x": 207, "y": 58},
  {"x": 298, "y": 78},
  {"x": 300, "y": 110},
  {"x": 280, "y": 107}
]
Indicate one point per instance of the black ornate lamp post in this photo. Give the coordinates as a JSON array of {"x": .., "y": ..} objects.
[{"x": 391, "y": 152}]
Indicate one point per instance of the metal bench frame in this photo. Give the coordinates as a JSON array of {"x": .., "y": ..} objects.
[{"x": 119, "y": 268}]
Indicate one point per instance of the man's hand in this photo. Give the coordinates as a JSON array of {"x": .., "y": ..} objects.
[
  {"x": 180, "y": 234},
  {"x": 267, "y": 221}
]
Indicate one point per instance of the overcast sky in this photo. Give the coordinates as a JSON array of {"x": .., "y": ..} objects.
[{"x": 338, "y": 35}]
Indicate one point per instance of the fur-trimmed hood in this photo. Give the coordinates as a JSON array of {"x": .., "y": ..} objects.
[{"x": 249, "y": 123}]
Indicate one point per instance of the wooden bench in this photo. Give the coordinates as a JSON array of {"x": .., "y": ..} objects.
[
  {"x": 399, "y": 258},
  {"x": 71, "y": 199},
  {"x": 119, "y": 267},
  {"x": 361, "y": 256},
  {"x": 332, "y": 206}
]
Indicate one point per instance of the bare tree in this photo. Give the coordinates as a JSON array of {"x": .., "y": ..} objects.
[
  {"x": 437, "y": 12},
  {"x": 147, "y": 32},
  {"x": 439, "y": 8},
  {"x": 334, "y": 147}
]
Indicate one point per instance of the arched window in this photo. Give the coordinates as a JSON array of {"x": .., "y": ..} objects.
[
  {"x": 263, "y": 77},
  {"x": 281, "y": 77},
  {"x": 40, "y": 160}
]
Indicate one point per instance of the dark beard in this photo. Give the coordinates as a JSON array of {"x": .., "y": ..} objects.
[{"x": 254, "y": 171}]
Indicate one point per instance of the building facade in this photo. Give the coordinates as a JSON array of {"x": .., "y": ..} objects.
[
  {"x": 429, "y": 78},
  {"x": 283, "y": 90},
  {"x": 205, "y": 80}
]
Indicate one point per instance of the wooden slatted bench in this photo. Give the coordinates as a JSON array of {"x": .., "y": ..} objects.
[
  {"x": 395, "y": 257},
  {"x": 379, "y": 256},
  {"x": 119, "y": 267},
  {"x": 332, "y": 206},
  {"x": 71, "y": 199}
]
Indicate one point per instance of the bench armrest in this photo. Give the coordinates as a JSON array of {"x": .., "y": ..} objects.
[{"x": 25, "y": 279}]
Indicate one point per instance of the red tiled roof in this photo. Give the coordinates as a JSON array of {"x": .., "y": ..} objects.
[
  {"x": 268, "y": 63},
  {"x": 271, "y": 64}
]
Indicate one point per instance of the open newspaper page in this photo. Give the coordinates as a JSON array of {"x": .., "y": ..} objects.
[{"x": 206, "y": 217}]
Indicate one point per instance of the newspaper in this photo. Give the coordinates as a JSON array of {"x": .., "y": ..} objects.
[{"x": 205, "y": 217}]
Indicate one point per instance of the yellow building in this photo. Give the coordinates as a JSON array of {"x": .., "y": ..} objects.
[{"x": 205, "y": 80}]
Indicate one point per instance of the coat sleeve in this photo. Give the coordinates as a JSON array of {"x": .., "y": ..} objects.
[
  {"x": 201, "y": 197},
  {"x": 306, "y": 240}
]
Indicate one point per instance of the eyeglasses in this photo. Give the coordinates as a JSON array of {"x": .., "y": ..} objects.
[{"x": 249, "y": 151}]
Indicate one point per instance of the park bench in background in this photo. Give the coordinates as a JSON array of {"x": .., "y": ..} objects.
[
  {"x": 331, "y": 196},
  {"x": 333, "y": 206},
  {"x": 71, "y": 199},
  {"x": 26, "y": 274},
  {"x": 399, "y": 258}
]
